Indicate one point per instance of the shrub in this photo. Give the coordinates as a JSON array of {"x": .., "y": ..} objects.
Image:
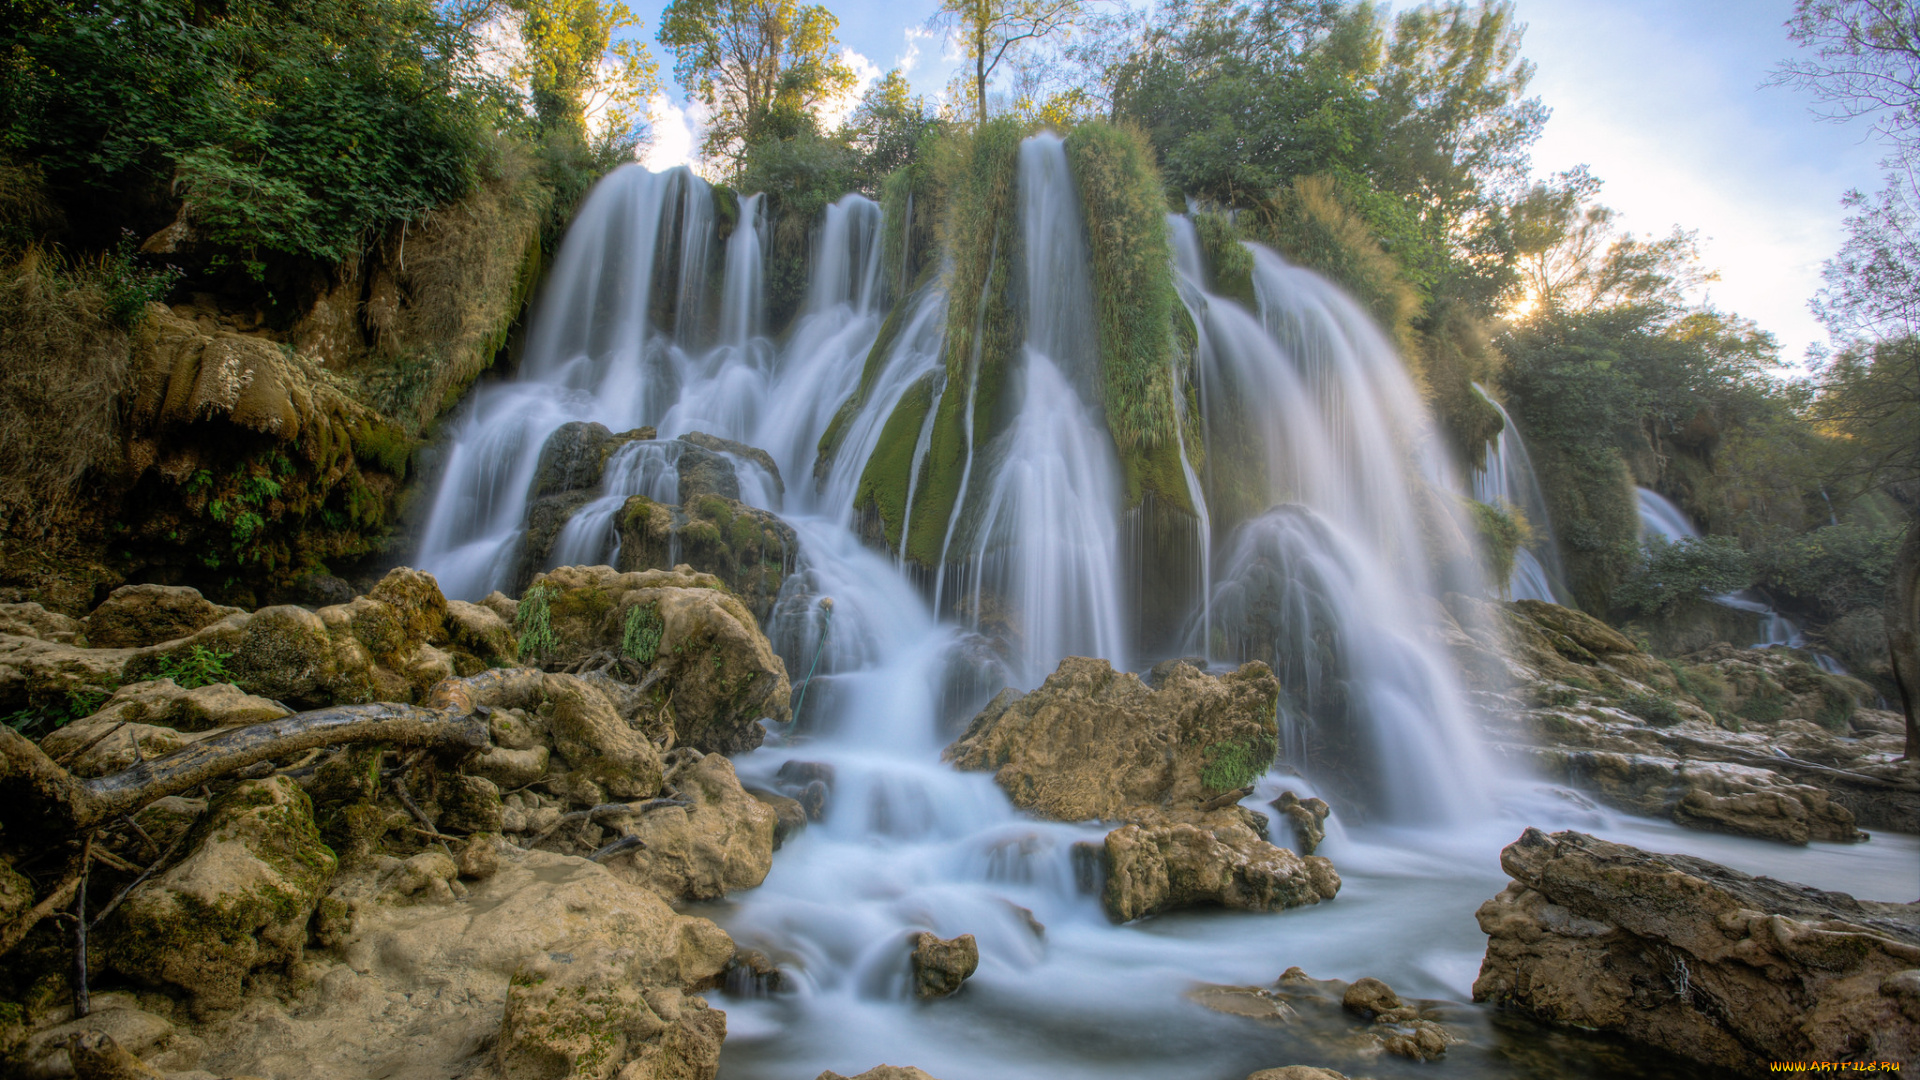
[
  {"x": 640, "y": 639},
  {"x": 201, "y": 667},
  {"x": 1695, "y": 567},
  {"x": 533, "y": 623},
  {"x": 1655, "y": 710}
]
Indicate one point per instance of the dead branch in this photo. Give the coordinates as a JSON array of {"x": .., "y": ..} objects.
[
  {"x": 58, "y": 898},
  {"x": 625, "y": 843},
  {"x": 38, "y": 797}
]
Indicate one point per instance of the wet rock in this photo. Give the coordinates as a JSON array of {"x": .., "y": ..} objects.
[
  {"x": 713, "y": 673},
  {"x": 1369, "y": 997},
  {"x": 572, "y": 459},
  {"x": 137, "y": 615},
  {"x": 941, "y": 965},
  {"x": 1296, "y": 1072},
  {"x": 789, "y": 816},
  {"x": 1155, "y": 868},
  {"x": 721, "y": 843},
  {"x": 32, "y": 620},
  {"x": 810, "y": 784},
  {"x": 880, "y": 1072},
  {"x": 751, "y": 550},
  {"x": 1093, "y": 743},
  {"x": 1696, "y": 958},
  {"x": 239, "y": 901},
  {"x": 753, "y": 454},
  {"x": 480, "y": 633},
  {"x": 1308, "y": 817},
  {"x": 753, "y": 973},
  {"x": 1157, "y": 675},
  {"x": 137, "y": 1032},
  {"x": 703, "y": 472}
]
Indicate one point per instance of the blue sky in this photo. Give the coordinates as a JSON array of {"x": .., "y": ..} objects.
[{"x": 1662, "y": 100}]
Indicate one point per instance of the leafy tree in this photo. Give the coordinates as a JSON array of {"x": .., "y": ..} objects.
[
  {"x": 1573, "y": 258},
  {"x": 1865, "y": 62},
  {"x": 887, "y": 128},
  {"x": 991, "y": 31},
  {"x": 761, "y": 67},
  {"x": 574, "y": 67}
]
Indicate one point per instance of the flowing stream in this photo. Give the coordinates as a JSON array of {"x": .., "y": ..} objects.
[{"x": 1325, "y": 544}]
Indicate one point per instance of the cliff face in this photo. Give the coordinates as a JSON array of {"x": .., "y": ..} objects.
[{"x": 216, "y": 444}]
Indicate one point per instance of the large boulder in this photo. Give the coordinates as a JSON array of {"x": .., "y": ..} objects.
[
  {"x": 709, "y": 669},
  {"x": 202, "y": 708},
  {"x": 1698, "y": 959},
  {"x": 238, "y": 901},
  {"x": 752, "y": 455},
  {"x": 32, "y": 620},
  {"x": 749, "y": 549},
  {"x": 589, "y": 740},
  {"x": 137, "y": 615},
  {"x": 940, "y": 965},
  {"x": 1095, "y": 744},
  {"x": 1220, "y": 860},
  {"x": 721, "y": 842}
]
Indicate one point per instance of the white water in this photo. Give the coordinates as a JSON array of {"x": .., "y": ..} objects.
[
  {"x": 1507, "y": 479},
  {"x": 908, "y": 843}
]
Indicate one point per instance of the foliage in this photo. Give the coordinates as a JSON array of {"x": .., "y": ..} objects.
[
  {"x": 1573, "y": 258},
  {"x": 991, "y": 31},
  {"x": 1692, "y": 568},
  {"x": 1866, "y": 62},
  {"x": 759, "y": 66},
  {"x": 640, "y": 635},
  {"x": 290, "y": 129},
  {"x": 78, "y": 704},
  {"x": 1869, "y": 401},
  {"x": 533, "y": 623},
  {"x": 1831, "y": 570},
  {"x": 887, "y": 129},
  {"x": 572, "y": 63},
  {"x": 1655, "y": 710},
  {"x": 201, "y": 667},
  {"x": 1503, "y": 531}
]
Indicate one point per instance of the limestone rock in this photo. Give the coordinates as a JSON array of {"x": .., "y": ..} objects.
[
  {"x": 32, "y": 620},
  {"x": 941, "y": 965},
  {"x": 789, "y": 816},
  {"x": 572, "y": 459},
  {"x": 137, "y": 615},
  {"x": 1093, "y": 743},
  {"x": 723, "y": 842},
  {"x": 1346, "y": 1023},
  {"x": 162, "y": 702},
  {"x": 1695, "y": 958},
  {"x": 749, "y": 549},
  {"x": 578, "y": 1009},
  {"x": 1308, "y": 817},
  {"x": 715, "y": 674},
  {"x": 587, "y": 734},
  {"x": 481, "y": 633},
  {"x": 239, "y": 901},
  {"x": 136, "y": 1031},
  {"x": 1158, "y": 867},
  {"x": 752, "y": 454},
  {"x": 880, "y": 1072},
  {"x": 1296, "y": 1072},
  {"x": 1369, "y": 997},
  {"x": 510, "y": 769},
  {"x": 91, "y": 748},
  {"x": 705, "y": 473}
]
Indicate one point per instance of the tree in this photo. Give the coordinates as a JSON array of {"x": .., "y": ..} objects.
[
  {"x": 991, "y": 29},
  {"x": 761, "y": 67},
  {"x": 887, "y": 128},
  {"x": 1866, "y": 62},
  {"x": 576, "y": 70},
  {"x": 1572, "y": 256}
]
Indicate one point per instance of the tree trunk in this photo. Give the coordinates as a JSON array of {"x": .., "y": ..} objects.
[{"x": 1903, "y": 630}]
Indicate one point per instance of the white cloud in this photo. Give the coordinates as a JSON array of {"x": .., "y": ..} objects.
[
  {"x": 910, "y": 57},
  {"x": 675, "y": 133},
  {"x": 834, "y": 111}
]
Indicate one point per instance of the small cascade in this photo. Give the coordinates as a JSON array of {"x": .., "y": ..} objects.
[
  {"x": 1041, "y": 540},
  {"x": 1312, "y": 427},
  {"x": 1507, "y": 479},
  {"x": 643, "y": 467},
  {"x": 1659, "y": 517}
]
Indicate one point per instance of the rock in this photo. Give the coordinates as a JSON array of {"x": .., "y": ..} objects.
[
  {"x": 510, "y": 769},
  {"x": 162, "y": 702},
  {"x": 880, "y": 1072},
  {"x": 1697, "y": 959},
  {"x": 240, "y": 899},
  {"x": 1092, "y": 743},
  {"x": 91, "y": 748},
  {"x": 723, "y": 842},
  {"x": 137, "y": 615},
  {"x": 1308, "y": 818},
  {"x": 480, "y": 859},
  {"x": 941, "y": 965},
  {"x": 116, "y": 1016},
  {"x": 96, "y": 1056},
  {"x": 317, "y": 589},
  {"x": 16, "y": 893},
  {"x": 751, "y": 550},
  {"x": 1220, "y": 860},
  {"x": 1296, "y": 1072},
  {"x": 705, "y": 473},
  {"x": 580, "y": 1009},
  {"x": 482, "y": 634},
  {"x": 789, "y": 817},
  {"x": 1369, "y": 997},
  {"x": 715, "y": 674},
  {"x": 587, "y": 734},
  {"x": 810, "y": 784},
  {"x": 32, "y": 620},
  {"x": 752, "y": 454},
  {"x": 572, "y": 459},
  {"x": 469, "y": 804}
]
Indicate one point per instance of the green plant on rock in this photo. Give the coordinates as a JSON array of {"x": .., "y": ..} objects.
[
  {"x": 1654, "y": 709},
  {"x": 1231, "y": 765},
  {"x": 533, "y": 623},
  {"x": 201, "y": 667},
  {"x": 640, "y": 639}
]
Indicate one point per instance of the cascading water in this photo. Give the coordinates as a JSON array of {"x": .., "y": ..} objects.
[
  {"x": 1507, "y": 479},
  {"x": 1324, "y": 546}
]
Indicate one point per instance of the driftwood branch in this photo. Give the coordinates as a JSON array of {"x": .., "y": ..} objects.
[
  {"x": 610, "y": 809},
  {"x": 37, "y": 795},
  {"x": 61, "y": 895}
]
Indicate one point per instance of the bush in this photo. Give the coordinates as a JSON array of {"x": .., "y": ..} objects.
[
  {"x": 533, "y": 623},
  {"x": 640, "y": 638},
  {"x": 202, "y": 667},
  {"x": 1696, "y": 567},
  {"x": 1831, "y": 570}
]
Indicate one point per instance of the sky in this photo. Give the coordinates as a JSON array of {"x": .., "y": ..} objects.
[{"x": 1664, "y": 102}]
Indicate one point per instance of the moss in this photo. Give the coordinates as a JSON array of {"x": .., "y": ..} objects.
[
  {"x": 533, "y": 623},
  {"x": 1229, "y": 263},
  {"x": 1503, "y": 531},
  {"x": 1655, "y": 710},
  {"x": 1231, "y": 765},
  {"x": 1134, "y": 297},
  {"x": 640, "y": 635},
  {"x": 382, "y": 445},
  {"x": 884, "y": 481}
]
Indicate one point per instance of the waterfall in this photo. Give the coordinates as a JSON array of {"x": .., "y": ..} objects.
[{"x": 1507, "y": 479}]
